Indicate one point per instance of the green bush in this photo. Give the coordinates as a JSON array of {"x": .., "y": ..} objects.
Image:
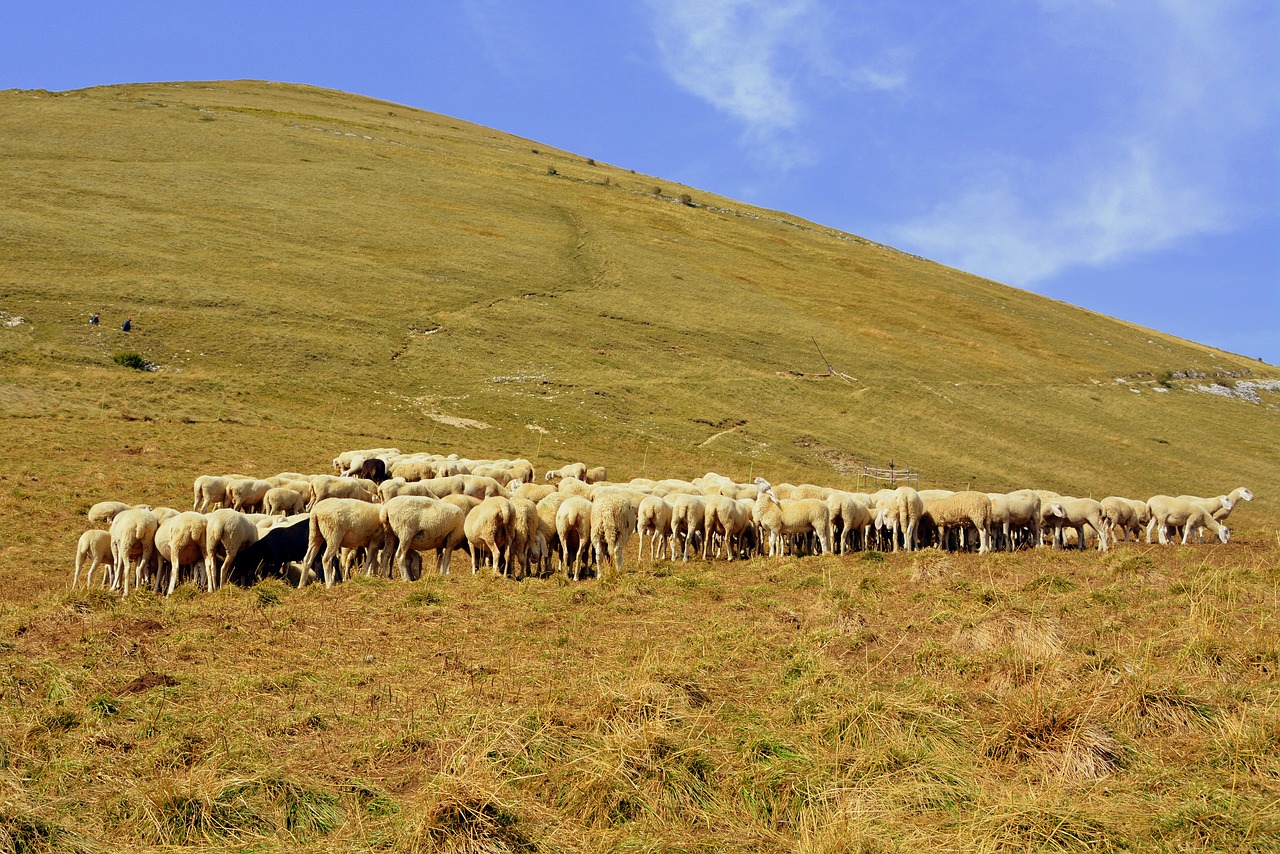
[{"x": 131, "y": 360}]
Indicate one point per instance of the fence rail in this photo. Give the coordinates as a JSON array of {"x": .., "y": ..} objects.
[{"x": 892, "y": 475}]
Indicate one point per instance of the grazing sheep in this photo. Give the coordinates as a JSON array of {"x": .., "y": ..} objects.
[
  {"x": 1220, "y": 506},
  {"x": 274, "y": 552},
  {"x": 1128, "y": 515},
  {"x": 342, "y": 523},
  {"x": 104, "y": 512},
  {"x": 133, "y": 536},
  {"x": 1016, "y": 518},
  {"x": 482, "y": 487},
  {"x": 343, "y": 463},
  {"x": 959, "y": 510},
  {"x": 613, "y": 519},
  {"x": 282, "y": 501},
  {"x": 524, "y": 535},
  {"x": 180, "y": 541},
  {"x": 246, "y": 494},
  {"x": 94, "y": 546},
  {"x": 574, "y": 470},
  {"x": 535, "y": 492},
  {"x": 1080, "y": 512},
  {"x": 344, "y": 487},
  {"x": 688, "y": 518},
  {"x": 597, "y": 474},
  {"x": 419, "y": 523},
  {"x": 227, "y": 531},
  {"x": 576, "y": 486},
  {"x": 374, "y": 470},
  {"x": 654, "y": 519},
  {"x": 725, "y": 520},
  {"x": 852, "y": 514},
  {"x": 1169, "y": 512},
  {"x": 573, "y": 526},
  {"x": 412, "y": 470},
  {"x": 790, "y": 518},
  {"x": 488, "y": 530},
  {"x": 209, "y": 493},
  {"x": 547, "y": 508}
]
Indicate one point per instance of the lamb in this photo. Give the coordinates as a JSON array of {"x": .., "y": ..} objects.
[
  {"x": 180, "y": 541},
  {"x": 654, "y": 519},
  {"x": 133, "y": 535},
  {"x": 227, "y": 531},
  {"x": 488, "y": 530},
  {"x": 787, "y": 519},
  {"x": 573, "y": 526},
  {"x": 95, "y": 547},
  {"x": 959, "y": 510},
  {"x": 613, "y": 518},
  {"x": 1170, "y": 512},
  {"x": 419, "y": 523},
  {"x": 574, "y": 470},
  {"x": 342, "y": 523},
  {"x": 282, "y": 501}
]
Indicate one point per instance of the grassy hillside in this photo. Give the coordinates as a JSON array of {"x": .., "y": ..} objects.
[{"x": 312, "y": 271}]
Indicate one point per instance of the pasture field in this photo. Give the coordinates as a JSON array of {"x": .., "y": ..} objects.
[{"x": 311, "y": 271}]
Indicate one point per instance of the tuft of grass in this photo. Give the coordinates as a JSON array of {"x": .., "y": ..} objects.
[{"x": 130, "y": 359}]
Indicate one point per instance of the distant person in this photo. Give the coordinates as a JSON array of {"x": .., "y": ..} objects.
[
  {"x": 93, "y": 319},
  {"x": 127, "y": 325}
]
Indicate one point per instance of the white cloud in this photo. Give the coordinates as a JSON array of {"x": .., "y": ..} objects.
[
  {"x": 1142, "y": 179},
  {"x": 758, "y": 61}
]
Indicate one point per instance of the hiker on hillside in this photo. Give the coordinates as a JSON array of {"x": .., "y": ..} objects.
[{"x": 127, "y": 325}]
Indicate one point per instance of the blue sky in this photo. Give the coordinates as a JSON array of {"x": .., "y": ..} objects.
[{"x": 1121, "y": 155}]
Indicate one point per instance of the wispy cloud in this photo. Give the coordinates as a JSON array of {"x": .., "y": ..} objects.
[
  {"x": 756, "y": 61},
  {"x": 1151, "y": 173}
]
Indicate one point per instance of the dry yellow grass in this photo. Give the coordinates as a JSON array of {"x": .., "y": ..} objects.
[{"x": 313, "y": 271}]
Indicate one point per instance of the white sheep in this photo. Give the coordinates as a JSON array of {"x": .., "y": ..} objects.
[
  {"x": 852, "y": 513},
  {"x": 524, "y": 535},
  {"x": 283, "y": 501},
  {"x": 1016, "y": 516},
  {"x": 535, "y": 492},
  {"x": 596, "y": 474},
  {"x": 654, "y": 519},
  {"x": 246, "y": 494},
  {"x": 960, "y": 510},
  {"x": 688, "y": 518},
  {"x": 1170, "y": 512},
  {"x": 181, "y": 542},
  {"x": 227, "y": 531},
  {"x": 574, "y": 470},
  {"x": 547, "y": 508},
  {"x": 725, "y": 522},
  {"x": 613, "y": 519},
  {"x": 419, "y": 523},
  {"x": 1128, "y": 515},
  {"x": 105, "y": 512},
  {"x": 785, "y": 519},
  {"x": 342, "y": 523},
  {"x": 1080, "y": 512},
  {"x": 133, "y": 536},
  {"x": 357, "y": 488},
  {"x": 209, "y": 492},
  {"x": 1219, "y": 506},
  {"x": 488, "y": 530},
  {"x": 95, "y": 547},
  {"x": 573, "y": 526}
]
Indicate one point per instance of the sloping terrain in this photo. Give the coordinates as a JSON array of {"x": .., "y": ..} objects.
[{"x": 312, "y": 271}]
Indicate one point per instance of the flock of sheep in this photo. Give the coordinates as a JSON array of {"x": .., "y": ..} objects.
[{"x": 380, "y": 510}]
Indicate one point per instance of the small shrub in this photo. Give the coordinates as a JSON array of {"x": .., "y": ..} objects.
[
  {"x": 129, "y": 359},
  {"x": 686, "y": 199},
  {"x": 551, "y": 170}
]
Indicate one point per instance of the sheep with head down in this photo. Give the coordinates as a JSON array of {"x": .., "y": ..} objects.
[
  {"x": 342, "y": 523},
  {"x": 573, "y": 528},
  {"x": 488, "y": 530},
  {"x": 1168, "y": 512},
  {"x": 227, "y": 531},
  {"x": 133, "y": 537},
  {"x": 960, "y": 511},
  {"x": 180, "y": 541},
  {"x": 613, "y": 519},
  {"x": 417, "y": 523},
  {"x": 93, "y": 548}
]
